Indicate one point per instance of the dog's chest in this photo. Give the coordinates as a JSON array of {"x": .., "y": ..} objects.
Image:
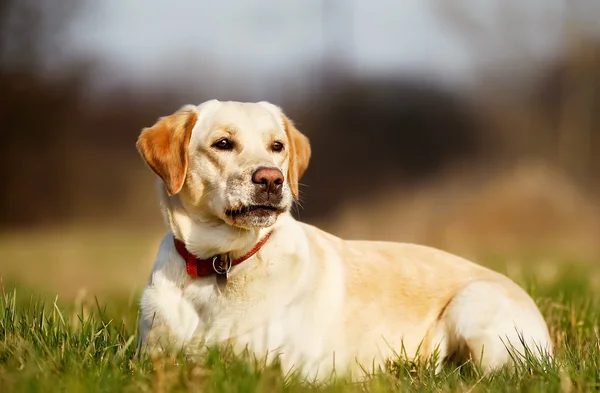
[{"x": 266, "y": 325}]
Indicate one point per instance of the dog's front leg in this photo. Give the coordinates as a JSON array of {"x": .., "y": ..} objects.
[{"x": 168, "y": 320}]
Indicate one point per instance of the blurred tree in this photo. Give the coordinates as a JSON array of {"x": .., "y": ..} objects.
[
  {"x": 373, "y": 136},
  {"x": 38, "y": 115},
  {"x": 551, "y": 89}
]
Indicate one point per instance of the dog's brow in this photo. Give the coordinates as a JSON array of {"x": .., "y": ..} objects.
[
  {"x": 278, "y": 134},
  {"x": 228, "y": 128},
  {"x": 269, "y": 129}
]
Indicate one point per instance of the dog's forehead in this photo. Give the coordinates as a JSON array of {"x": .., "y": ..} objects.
[{"x": 247, "y": 115}]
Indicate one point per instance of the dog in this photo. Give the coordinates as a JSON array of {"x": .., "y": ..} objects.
[{"x": 236, "y": 268}]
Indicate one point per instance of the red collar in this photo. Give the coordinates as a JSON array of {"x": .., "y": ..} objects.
[{"x": 205, "y": 267}]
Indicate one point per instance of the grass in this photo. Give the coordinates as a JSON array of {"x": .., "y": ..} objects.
[{"x": 84, "y": 345}]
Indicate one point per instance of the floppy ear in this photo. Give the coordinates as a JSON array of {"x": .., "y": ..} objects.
[
  {"x": 164, "y": 146},
  {"x": 299, "y": 154}
]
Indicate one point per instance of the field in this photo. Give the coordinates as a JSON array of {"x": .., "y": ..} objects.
[{"x": 86, "y": 341}]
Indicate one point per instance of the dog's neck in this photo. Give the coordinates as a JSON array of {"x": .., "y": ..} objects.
[{"x": 206, "y": 236}]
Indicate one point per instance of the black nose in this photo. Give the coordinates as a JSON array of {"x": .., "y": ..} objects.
[{"x": 270, "y": 179}]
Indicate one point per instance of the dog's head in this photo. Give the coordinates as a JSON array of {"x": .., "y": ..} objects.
[{"x": 238, "y": 162}]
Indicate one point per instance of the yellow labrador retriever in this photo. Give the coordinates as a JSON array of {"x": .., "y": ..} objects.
[{"x": 237, "y": 268}]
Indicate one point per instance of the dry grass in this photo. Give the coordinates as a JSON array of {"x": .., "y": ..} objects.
[
  {"x": 527, "y": 209},
  {"x": 528, "y": 212},
  {"x": 67, "y": 261}
]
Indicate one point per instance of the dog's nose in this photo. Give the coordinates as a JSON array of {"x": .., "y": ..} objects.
[{"x": 270, "y": 179}]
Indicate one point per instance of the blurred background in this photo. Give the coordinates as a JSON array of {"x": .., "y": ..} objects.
[{"x": 469, "y": 126}]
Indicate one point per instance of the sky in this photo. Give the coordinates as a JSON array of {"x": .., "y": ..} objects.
[{"x": 261, "y": 43}]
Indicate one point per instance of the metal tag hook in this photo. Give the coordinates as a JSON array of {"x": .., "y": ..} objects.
[{"x": 220, "y": 266}]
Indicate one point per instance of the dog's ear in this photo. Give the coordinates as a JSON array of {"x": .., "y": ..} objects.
[
  {"x": 164, "y": 147},
  {"x": 299, "y": 154}
]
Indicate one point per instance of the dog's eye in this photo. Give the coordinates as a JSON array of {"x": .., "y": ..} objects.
[
  {"x": 223, "y": 144},
  {"x": 277, "y": 146}
]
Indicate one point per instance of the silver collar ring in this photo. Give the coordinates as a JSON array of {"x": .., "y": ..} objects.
[{"x": 220, "y": 266}]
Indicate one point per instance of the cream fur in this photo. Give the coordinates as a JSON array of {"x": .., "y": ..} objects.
[{"x": 317, "y": 302}]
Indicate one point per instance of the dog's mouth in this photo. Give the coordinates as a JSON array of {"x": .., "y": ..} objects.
[{"x": 258, "y": 210}]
